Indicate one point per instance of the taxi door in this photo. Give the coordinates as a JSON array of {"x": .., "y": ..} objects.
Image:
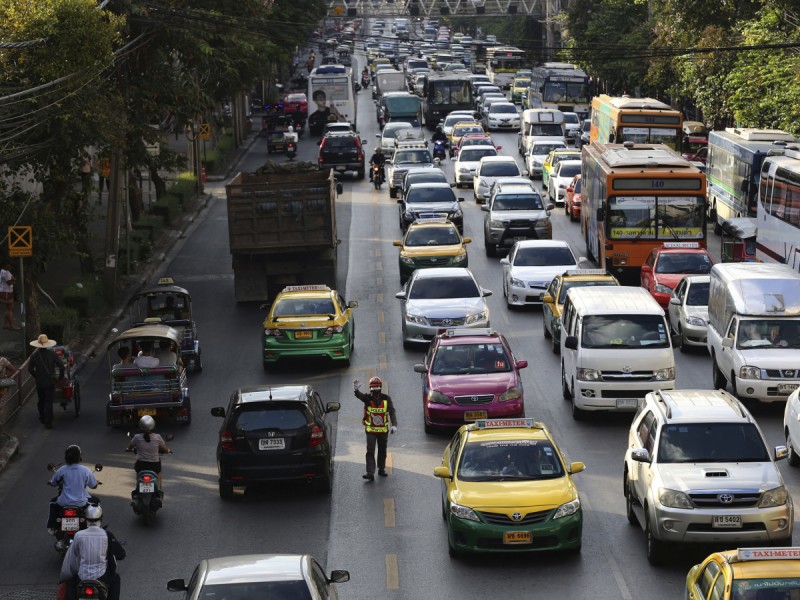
[
  {"x": 450, "y": 459},
  {"x": 708, "y": 582},
  {"x": 674, "y": 310}
]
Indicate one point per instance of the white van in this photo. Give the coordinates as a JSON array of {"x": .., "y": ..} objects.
[
  {"x": 615, "y": 349},
  {"x": 540, "y": 124}
]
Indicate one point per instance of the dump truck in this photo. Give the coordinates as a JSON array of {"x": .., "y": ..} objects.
[{"x": 282, "y": 229}]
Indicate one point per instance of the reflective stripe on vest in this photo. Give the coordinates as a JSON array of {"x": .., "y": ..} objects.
[{"x": 376, "y": 418}]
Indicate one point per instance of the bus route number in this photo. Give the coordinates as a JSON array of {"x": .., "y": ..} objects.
[
  {"x": 657, "y": 184},
  {"x": 648, "y": 119}
]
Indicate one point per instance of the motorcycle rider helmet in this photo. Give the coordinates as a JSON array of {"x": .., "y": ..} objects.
[
  {"x": 439, "y": 128},
  {"x": 94, "y": 512},
  {"x": 375, "y": 384},
  {"x": 290, "y": 130},
  {"x": 147, "y": 424},
  {"x": 72, "y": 455}
]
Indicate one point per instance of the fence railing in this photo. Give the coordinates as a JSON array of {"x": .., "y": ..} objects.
[{"x": 13, "y": 398}]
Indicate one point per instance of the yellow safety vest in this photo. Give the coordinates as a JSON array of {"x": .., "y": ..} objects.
[{"x": 376, "y": 418}]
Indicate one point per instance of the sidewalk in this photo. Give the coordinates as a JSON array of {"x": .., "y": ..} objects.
[{"x": 63, "y": 271}]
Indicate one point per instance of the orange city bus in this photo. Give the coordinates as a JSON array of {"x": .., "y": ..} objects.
[
  {"x": 639, "y": 120},
  {"x": 636, "y": 197}
]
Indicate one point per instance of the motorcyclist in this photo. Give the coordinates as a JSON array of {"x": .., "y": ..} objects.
[
  {"x": 93, "y": 555},
  {"x": 378, "y": 158},
  {"x": 290, "y": 135},
  {"x": 74, "y": 479},
  {"x": 149, "y": 446},
  {"x": 365, "y": 76},
  {"x": 439, "y": 135}
]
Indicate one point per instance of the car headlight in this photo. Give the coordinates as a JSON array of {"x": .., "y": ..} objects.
[
  {"x": 496, "y": 224},
  {"x": 512, "y": 393},
  {"x": 435, "y": 397},
  {"x": 416, "y": 319},
  {"x": 406, "y": 260},
  {"x": 664, "y": 374},
  {"x": 587, "y": 374},
  {"x": 749, "y": 372},
  {"x": 674, "y": 499},
  {"x": 477, "y": 317},
  {"x": 460, "y": 257},
  {"x": 775, "y": 497},
  {"x": 463, "y": 512},
  {"x": 696, "y": 321},
  {"x": 662, "y": 289},
  {"x": 516, "y": 282},
  {"x": 567, "y": 509},
  {"x": 542, "y": 223}
]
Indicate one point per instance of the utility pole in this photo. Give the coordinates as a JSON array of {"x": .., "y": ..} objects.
[{"x": 112, "y": 226}]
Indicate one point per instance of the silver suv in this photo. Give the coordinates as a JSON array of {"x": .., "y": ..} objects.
[
  {"x": 516, "y": 212},
  {"x": 697, "y": 470}
]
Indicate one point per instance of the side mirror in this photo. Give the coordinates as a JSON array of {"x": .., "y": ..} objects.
[
  {"x": 486, "y": 293},
  {"x": 98, "y": 467},
  {"x": 500, "y": 148},
  {"x": 550, "y": 206},
  {"x": 485, "y": 207},
  {"x": 727, "y": 342},
  {"x": 675, "y": 300},
  {"x": 548, "y": 299},
  {"x": 339, "y": 188},
  {"x": 640, "y": 455},
  {"x": 647, "y": 270},
  {"x": 781, "y": 452},
  {"x": 443, "y": 472},
  {"x": 569, "y": 190},
  {"x": 176, "y": 585},
  {"x": 576, "y": 467},
  {"x": 467, "y": 240},
  {"x": 217, "y": 411},
  {"x": 352, "y": 304},
  {"x": 398, "y": 243},
  {"x": 601, "y": 214},
  {"x": 522, "y": 364},
  {"x": 339, "y": 576},
  {"x": 400, "y": 295},
  {"x": 378, "y": 135},
  {"x": 505, "y": 261},
  {"x": 453, "y": 158},
  {"x": 676, "y": 341},
  {"x": 420, "y": 368},
  {"x": 460, "y": 199},
  {"x": 333, "y": 407},
  {"x": 571, "y": 343},
  {"x": 437, "y": 161}
]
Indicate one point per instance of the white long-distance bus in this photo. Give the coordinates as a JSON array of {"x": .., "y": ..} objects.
[{"x": 778, "y": 214}]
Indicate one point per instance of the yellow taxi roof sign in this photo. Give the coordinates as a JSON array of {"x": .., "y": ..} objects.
[
  {"x": 306, "y": 288},
  {"x": 573, "y": 272},
  {"x": 506, "y": 423},
  {"x": 745, "y": 554},
  {"x": 165, "y": 281}
]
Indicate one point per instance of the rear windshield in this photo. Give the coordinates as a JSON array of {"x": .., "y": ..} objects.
[
  {"x": 672, "y": 264},
  {"x": 509, "y": 460},
  {"x": 500, "y": 169},
  {"x": 545, "y": 149},
  {"x": 272, "y": 416},
  {"x": 339, "y": 142},
  {"x": 464, "y": 359},
  {"x": 567, "y": 286},
  {"x": 465, "y": 129},
  {"x": 624, "y": 331},
  {"x": 438, "y": 177},
  {"x": 711, "y": 442},
  {"x": 569, "y": 170},
  {"x": 280, "y": 590},
  {"x": 304, "y": 306},
  {"x": 437, "y": 288},
  {"x": 518, "y": 202}
]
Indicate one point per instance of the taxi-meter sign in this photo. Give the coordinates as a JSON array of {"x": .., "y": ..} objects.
[{"x": 20, "y": 240}]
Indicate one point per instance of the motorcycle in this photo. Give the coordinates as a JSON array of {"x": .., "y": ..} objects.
[
  {"x": 377, "y": 176},
  {"x": 69, "y": 519},
  {"x": 365, "y": 81},
  {"x": 439, "y": 149},
  {"x": 291, "y": 150},
  {"x": 147, "y": 497}
]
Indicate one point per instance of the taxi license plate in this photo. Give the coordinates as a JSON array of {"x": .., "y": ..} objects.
[
  {"x": 147, "y": 488},
  {"x": 69, "y": 524},
  {"x": 144, "y": 412},
  {"x": 302, "y": 335},
  {"x": 787, "y": 388},
  {"x": 271, "y": 444},
  {"x": 627, "y": 402},
  {"x": 517, "y": 537},
  {"x": 726, "y": 522},
  {"x": 472, "y": 415}
]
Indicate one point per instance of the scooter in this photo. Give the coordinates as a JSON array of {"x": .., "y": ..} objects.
[
  {"x": 291, "y": 150},
  {"x": 365, "y": 82},
  {"x": 377, "y": 176},
  {"x": 439, "y": 149},
  {"x": 70, "y": 519},
  {"x": 147, "y": 497}
]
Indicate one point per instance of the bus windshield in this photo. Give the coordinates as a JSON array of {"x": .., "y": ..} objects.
[
  {"x": 560, "y": 91},
  {"x": 450, "y": 92},
  {"x": 634, "y": 217}
]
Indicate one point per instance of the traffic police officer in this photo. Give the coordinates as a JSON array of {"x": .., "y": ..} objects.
[{"x": 379, "y": 421}]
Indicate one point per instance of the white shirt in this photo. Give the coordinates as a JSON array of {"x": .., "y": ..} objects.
[
  {"x": 148, "y": 362},
  {"x": 5, "y": 277},
  {"x": 87, "y": 555}
]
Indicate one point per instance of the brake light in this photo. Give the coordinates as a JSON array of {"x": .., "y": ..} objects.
[
  {"x": 88, "y": 591},
  {"x": 70, "y": 512},
  {"x": 147, "y": 478},
  {"x": 226, "y": 440},
  {"x": 358, "y": 148},
  {"x": 317, "y": 435}
]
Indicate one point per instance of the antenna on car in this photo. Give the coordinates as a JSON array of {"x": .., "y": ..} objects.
[{"x": 270, "y": 393}]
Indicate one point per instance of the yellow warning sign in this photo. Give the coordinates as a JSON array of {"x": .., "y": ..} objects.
[
  {"x": 20, "y": 240},
  {"x": 338, "y": 10},
  {"x": 205, "y": 131}
]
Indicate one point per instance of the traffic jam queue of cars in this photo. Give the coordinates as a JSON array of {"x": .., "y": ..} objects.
[{"x": 697, "y": 469}]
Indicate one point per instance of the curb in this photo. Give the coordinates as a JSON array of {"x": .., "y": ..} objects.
[{"x": 8, "y": 447}]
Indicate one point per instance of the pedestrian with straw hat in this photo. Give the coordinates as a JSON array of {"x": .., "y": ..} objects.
[{"x": 47, "y": 368}]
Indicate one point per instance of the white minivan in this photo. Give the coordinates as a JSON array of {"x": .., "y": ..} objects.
[{"x": 615, "y": 349}]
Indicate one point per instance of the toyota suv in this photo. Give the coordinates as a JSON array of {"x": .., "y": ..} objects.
[
  {"x": 342, "y": 151},
  {"x": 406, "y": 155},
  {"x": 515, "y": 212},
  {"x": 697, "y": 470}
]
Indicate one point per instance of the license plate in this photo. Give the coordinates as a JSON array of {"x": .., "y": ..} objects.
[
  {"x": 517, "y": 537},
  {"x": 143, "y": 412},
  {"x": 271, "y": 444},
  {"x": 69, "y": 524},
  {"x": 787, "y": 388},
  {"x": 726, "y": 522},
  {"x": 627, "y": 402},
  {"x": 302, "y": 335},
  {"x": 147, "y": 488},
  {"x": 472, "y": 415}
]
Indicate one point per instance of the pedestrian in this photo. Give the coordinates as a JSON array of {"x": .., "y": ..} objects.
[
  {"x": 7, "y": 372},
  {"x": 104, "y": 173},
  {"x": 86, "y": 176},
  {"x": 47, "y": 368},
  {"x": 379, "y": 421},
  {"x": 7, "y": 282}
]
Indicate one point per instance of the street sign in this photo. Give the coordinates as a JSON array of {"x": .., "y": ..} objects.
[
  {"x": 205, "y": 131},
  {"x": 20, "y": 240}
]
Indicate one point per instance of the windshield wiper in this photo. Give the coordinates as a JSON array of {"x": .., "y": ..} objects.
[
  {"x": 643, "y": 230},
  {"x": 675, "y": 236}
]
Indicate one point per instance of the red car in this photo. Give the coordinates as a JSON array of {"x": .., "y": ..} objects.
[
  {"x": 470, "y": 374},
  {"x": 572, "y": 199},
  {"x": 472, "y": 140},
  {"x": 295, "y": 103},
  {"x": 666, "y": 266}
]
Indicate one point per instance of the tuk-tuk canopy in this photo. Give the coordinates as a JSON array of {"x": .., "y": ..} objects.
[
  {"x": 741, "y": 228},
  {"x": 166, "y": 302},
  {"x": 152, "y": 332}
]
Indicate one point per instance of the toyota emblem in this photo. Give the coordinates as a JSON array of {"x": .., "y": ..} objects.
[
  {"x": 270, "y": 434},
  {"x": 627, "y": 369},
  {"x": 447, "y": 321},
  {"x": 433, "y": 260},
  {"x": 725, "y": 498},
  {"x": 516, "y": 517},
  {"x": 474, "y": 399}
]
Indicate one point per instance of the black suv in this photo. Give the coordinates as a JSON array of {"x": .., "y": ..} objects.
[
  {"x": 275, "y": 433},
  {"x": 342, "y": 151}
]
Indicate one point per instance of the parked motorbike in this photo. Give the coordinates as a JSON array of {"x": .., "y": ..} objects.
[
  {"x": 69, "y": 519},
  {"x": 377, "y": 176},
  {"x": 439, "y": 149}
]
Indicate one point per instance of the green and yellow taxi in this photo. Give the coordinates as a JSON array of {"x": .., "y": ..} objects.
[
  {"x": 556, "y": 293},
  {"x": 747, "y": 574},
  {"x": 309, "y": 321},
  {"x": 506, "y": 487},
  {"x": 555, "y": 157},
  {"x": 377, "y": 61},
  {"x": 519, "y": 89},
  {"x": 431, "y": 243}
]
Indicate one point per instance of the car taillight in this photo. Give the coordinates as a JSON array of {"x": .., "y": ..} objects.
[
  {"x": 317, "y": 436},
  {"x": 332, "y": 330},
  {"x": 358, "y": 148},
  {"x": 226, "y": 440}
]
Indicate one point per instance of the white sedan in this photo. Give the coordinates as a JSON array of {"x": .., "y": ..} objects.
[
  {"x": 559, "y": 179},
  {"x": 530, "y": 267},
  {"x": 467, "y": 162}
]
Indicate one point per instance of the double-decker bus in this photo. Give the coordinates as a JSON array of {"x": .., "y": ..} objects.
[
  {"x": 636, "y": 197},
  {"x": 331, "y": 97},
  {"x": 733, "y": 165},
  {"x": 778, "y": 215},
  {"x": 444, "y": 93},
  {"x": 561, "y": 86},
  {"x": 502, "y": 62},
  {"x": 639, "y": 120}
]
